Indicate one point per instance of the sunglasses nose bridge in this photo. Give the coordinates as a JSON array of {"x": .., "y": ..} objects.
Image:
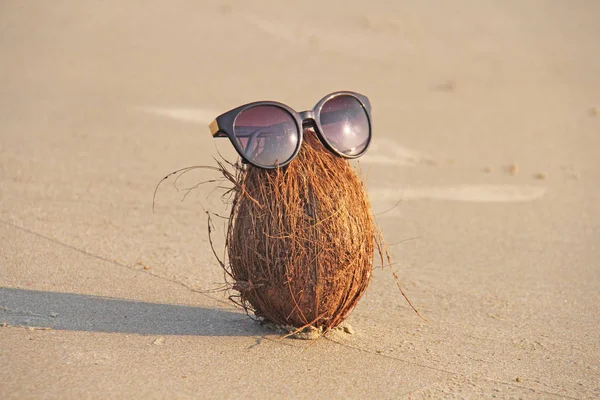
[
  {"x": 307, "y": 115},
  {"x": 307, "y": 118}
]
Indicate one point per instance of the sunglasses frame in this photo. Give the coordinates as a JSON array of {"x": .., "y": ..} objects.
[{"x": 223, "y": 125}]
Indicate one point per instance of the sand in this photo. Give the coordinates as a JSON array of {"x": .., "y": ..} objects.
[{"x": 102, "y": 298}]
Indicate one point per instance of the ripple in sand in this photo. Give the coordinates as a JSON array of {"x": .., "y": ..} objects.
[{"x": 465, "y": 193}]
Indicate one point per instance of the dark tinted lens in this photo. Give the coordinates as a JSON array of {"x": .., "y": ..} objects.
[
  {"x": 268, "y": 135},
  {"x": 345, "y": 124}
]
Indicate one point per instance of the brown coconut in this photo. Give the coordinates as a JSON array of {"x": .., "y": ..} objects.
[{"x": 301, "y": 239}]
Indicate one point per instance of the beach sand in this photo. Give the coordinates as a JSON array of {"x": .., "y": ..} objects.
[{"x": 486, "y": 150}]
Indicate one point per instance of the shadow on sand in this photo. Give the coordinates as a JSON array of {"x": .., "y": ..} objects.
[{"x": 78, "y": 312}]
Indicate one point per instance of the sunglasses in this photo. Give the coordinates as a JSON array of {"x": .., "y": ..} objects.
[{"x": 267, "y": 134}]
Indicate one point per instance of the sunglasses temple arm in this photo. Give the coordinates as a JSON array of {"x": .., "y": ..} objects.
[{"x": 215, "y": 131}]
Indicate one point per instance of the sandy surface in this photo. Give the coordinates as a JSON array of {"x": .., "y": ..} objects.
[{"x": 485, "y": 128}]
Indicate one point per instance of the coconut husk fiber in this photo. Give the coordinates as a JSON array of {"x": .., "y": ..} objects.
[{"x": 301, "y": 239}]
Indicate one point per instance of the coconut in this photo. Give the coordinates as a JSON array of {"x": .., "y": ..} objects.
[{"x": 300, "y": 240}]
